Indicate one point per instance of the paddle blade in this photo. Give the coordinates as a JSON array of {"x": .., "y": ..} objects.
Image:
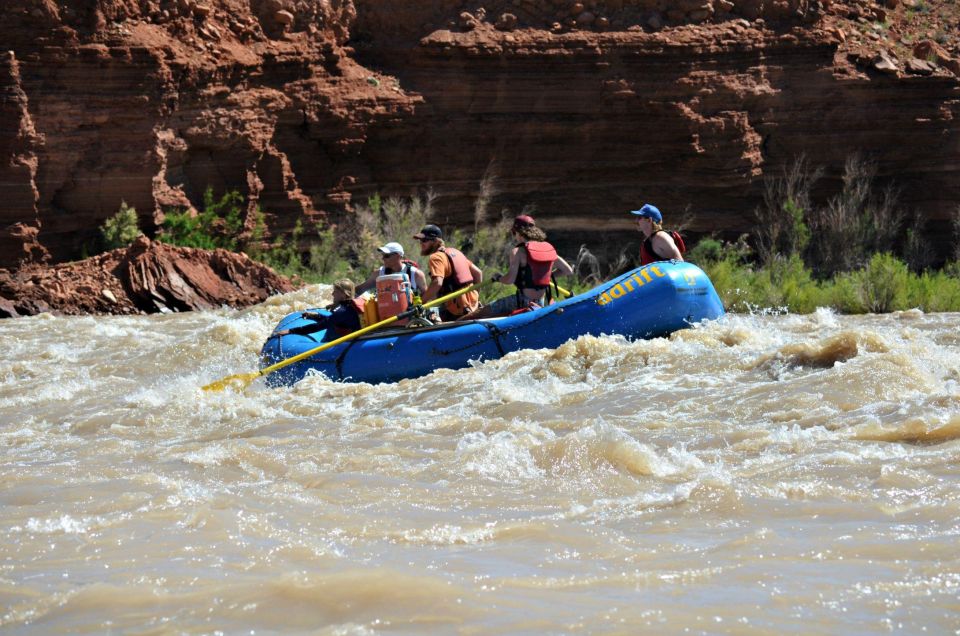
[{"x": 237, "y": 382}]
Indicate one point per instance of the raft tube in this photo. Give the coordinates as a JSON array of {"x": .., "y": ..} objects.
[{"x": 649, "y": 302}]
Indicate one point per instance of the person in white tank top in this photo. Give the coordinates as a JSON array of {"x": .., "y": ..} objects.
[{"x": 393, "y": 263}]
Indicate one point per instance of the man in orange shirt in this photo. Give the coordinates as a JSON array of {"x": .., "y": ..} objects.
[{"x": 449, "y": 271}]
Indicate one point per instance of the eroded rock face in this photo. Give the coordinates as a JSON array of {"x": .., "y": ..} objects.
[
  {"x": 19, "y": 143},
  {"x": 581, "y": 109},
  {"x": 147, "y": 277}
]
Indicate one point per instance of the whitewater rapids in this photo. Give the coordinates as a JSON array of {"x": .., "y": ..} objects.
[{"x": 762, "y": 474}]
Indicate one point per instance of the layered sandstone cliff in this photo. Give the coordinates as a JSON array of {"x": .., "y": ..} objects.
[{"x": 581, "y": 109}]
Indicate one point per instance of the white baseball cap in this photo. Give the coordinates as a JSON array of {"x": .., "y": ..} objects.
[{"x": 391, "y": 248}]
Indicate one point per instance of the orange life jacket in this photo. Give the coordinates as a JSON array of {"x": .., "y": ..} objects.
[{"x": 461, "y": 272}]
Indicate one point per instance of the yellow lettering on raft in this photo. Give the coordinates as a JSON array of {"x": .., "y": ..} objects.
[{"x": 640, "y": 278}]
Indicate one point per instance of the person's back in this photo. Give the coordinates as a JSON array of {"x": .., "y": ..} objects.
[
  {"x": 530, "y": 270},
  {"x": 658, "y": 244}
]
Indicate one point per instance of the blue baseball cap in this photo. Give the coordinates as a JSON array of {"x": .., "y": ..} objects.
[{"x": 650, "y": 212}]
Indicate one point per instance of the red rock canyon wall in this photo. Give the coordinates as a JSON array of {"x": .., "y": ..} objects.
[{"x": 582, "y": 109}]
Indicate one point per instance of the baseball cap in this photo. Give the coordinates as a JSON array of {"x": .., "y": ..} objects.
[
  {"x": 391, "y": 248},
  {"x": 649, "y": 211},
  {"x": 429, "y": 232},
  {"x": 345, "y": 285},
  {"x": 523, "y": 221}
]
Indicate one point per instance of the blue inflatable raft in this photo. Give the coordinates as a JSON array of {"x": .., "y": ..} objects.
[{"x": 648, "y": 302}]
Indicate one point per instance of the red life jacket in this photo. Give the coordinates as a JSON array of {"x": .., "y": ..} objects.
[
  {"x": 461, "y": 272},
  {"x": 540, "y": 259},
  {"x": 647, "y": 255}
]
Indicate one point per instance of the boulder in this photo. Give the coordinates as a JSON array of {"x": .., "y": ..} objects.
[
  {"x": 147, "y": 277},
  {"x": 920, "y": 67},
  {"x": 506, "y": 22},
  {"x": 885, "y": 64}
]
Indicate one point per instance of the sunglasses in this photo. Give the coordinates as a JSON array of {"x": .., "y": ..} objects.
[
  {"x": 425, "y": 239},
  {"x": 388, "y": 255}
]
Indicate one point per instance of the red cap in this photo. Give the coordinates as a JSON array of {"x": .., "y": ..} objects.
[{"x": 523, "y": 221}]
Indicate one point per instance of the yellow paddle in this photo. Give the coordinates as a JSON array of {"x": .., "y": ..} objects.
[
  {"x": 561, "y": 292},
  {"x": 240, "y": 381}
]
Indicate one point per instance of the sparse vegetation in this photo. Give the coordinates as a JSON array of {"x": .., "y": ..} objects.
[
  {"x": 218, "y": 225},
  {"x": 801, "y": 256},
  {"x": 121, "y": 229},
  {"x": 847, "y": 264}
]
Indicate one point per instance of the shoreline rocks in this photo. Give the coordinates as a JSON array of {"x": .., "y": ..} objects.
[{"x": 146, "y": 277}]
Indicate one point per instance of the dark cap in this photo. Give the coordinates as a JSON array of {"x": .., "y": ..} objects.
[
  {"x": 429, "y": 232},
  {"x": 524, "y": 221}
]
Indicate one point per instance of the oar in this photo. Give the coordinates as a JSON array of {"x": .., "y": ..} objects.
[
  {"x": 561, "y": 292},
  {"x": 241, "y": 380}
]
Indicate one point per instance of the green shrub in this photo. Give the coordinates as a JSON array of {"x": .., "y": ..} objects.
[
  {"x": 382, "y": 221},
  {"x": 121, "y": 229},
  {"x": 706, "y": 251},
  {"x": 883, "y": 284},
  {"x": 787, "y": 284},
  {"x": 217, "y": 226},
  {"x": 323, "y": 262},
  {"x": 781, "y": 228},
  {"x": 936, "y": 291}
]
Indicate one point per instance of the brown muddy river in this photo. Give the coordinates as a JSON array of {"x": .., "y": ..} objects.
[{"x": 757, "y": 475}]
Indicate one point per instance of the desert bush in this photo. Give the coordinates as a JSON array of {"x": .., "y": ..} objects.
[
  {"x": 324, "y": 261},
  {"x": 917, "y": 251},
  {"x": 855, "y": 224},
  {"x": 883, "y": 284},
  {"x": 218, "y": 225},
  {"x": 707, "y": 250},
  {"x": 781, "y": 226},
  {"x": 121, "y": 229},
  {"x": 378, "y": 222},
  {"x": 955, "y": 225}
]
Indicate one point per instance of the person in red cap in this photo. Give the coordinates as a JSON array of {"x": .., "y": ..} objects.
[
  {"x": 449, "y": 271},
  {"x": 532, "y": 263}
]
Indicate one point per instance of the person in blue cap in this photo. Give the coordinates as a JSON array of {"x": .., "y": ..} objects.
[{"x": 658, "y": 244}]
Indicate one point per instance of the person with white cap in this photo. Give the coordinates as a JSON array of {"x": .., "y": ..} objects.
[
  {"x": 658, "y": 244},
  {"x": 395, "y": 263}
]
